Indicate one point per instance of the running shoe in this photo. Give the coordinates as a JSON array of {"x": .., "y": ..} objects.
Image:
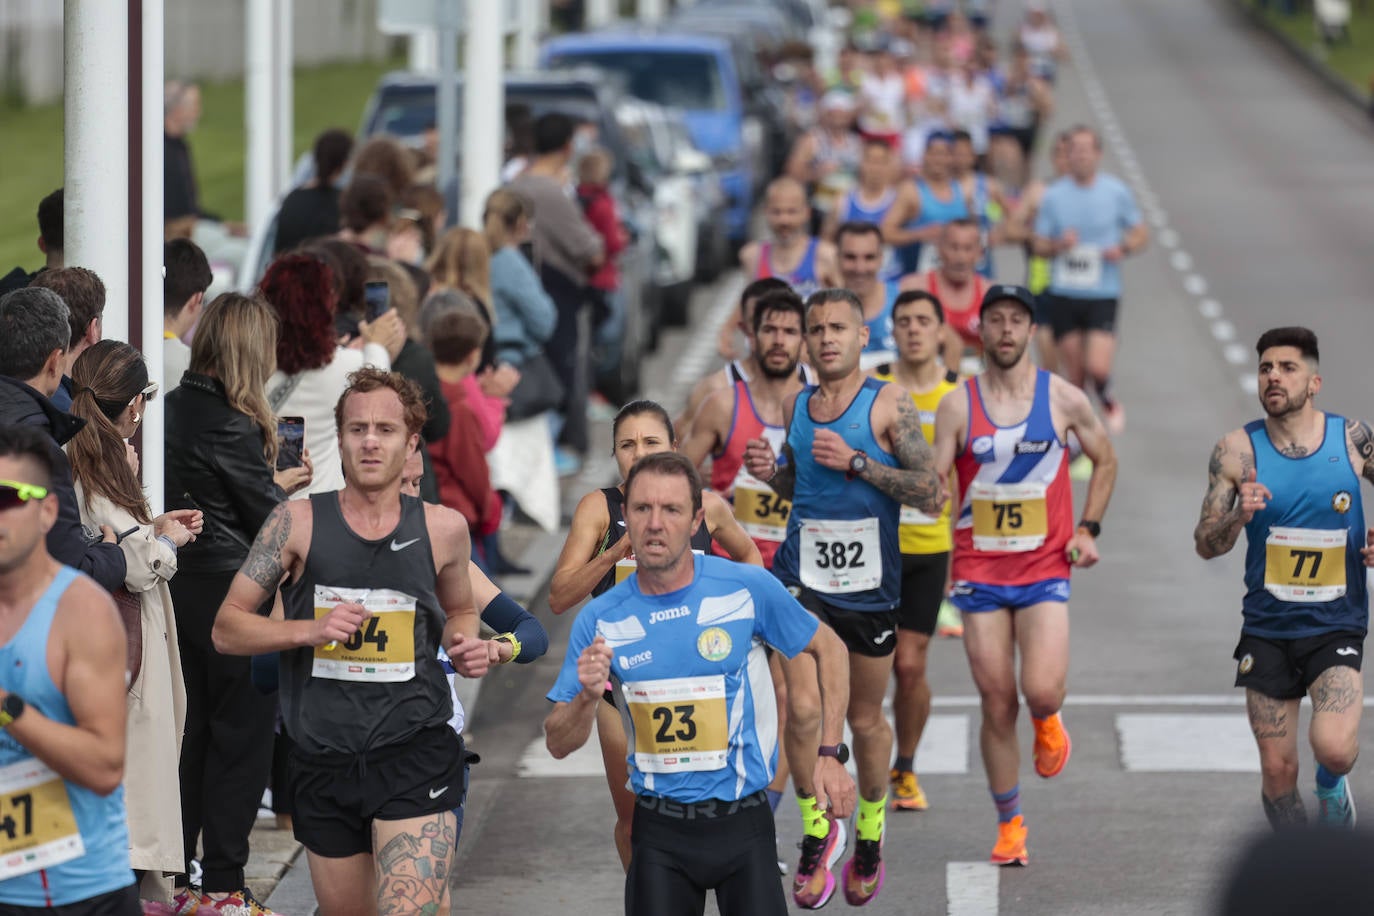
[
  {"x": 1336, "y": 806},
  {"x": 814, "y": 883},
  {"x": 864, "y": 872},
  {"x": 1114, "y": 417},
  {"x": 157, "y": 908},
  {"x": 187, "y": 901},
  {"x": 949, "y": 623},
  {"x": 1081, "y": 469},
  {"x": 906, "y": 792},
  {"x": 1011, "y": 843},
  {"x": 1052, "y": 746},
  {"x": 239, "y": 903}
]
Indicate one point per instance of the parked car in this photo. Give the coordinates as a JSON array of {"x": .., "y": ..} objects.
[
  {"x": 708, "y": 198},
  {"x": 695, "y": 73}
]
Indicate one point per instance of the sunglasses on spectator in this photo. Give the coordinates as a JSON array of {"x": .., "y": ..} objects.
[
  {"x": 147, "y": 393},
  {"x": 13, "y": 493}
]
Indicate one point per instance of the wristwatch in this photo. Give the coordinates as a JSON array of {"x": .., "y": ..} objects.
[
  {"x": 514, "y": 643},
  {"x": 1093, "y": 528},
  {"x": 839, "y": 751},
  {"x": 857, "y": 464},
  {"x": 11, "y": 708}
]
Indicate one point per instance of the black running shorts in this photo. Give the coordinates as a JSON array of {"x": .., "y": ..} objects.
[
  {"x": 1065, "y": 315},
  {"x": 872, "y": 633},
  {"x": 123, "y": 902},
  {"x": 1284, "y": 669},
  {"x": 338, "y": 796},
  {"x": 923, "y": 588},
  {"x": 680, "y": 851}
]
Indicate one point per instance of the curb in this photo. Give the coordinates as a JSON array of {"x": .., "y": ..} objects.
[{"x": 1304, "y": 55}]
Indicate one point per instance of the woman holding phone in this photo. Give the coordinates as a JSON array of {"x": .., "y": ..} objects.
[{"x": 110, "y": 391}]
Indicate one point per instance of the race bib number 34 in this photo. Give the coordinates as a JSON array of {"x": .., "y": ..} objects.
[
  {"x": 680, "y": 723},
  {"x": 383, "y": 648},
  {"x": 839, "y": 557},
  {"x": 37, "y": 826},
  {"x": 1304, "y": 564},
  {"x": 1009, "y": 517},
  {"x": 760, "y": 512}
]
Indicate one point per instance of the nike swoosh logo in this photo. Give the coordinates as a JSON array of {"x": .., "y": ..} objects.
[
  {"x": 402, "y": 546},
  {"x": 1347, "y": 650},
  {"x": 881, "y": 637},
  {"x": 435, "y": 793},
  {"x": 620, "y": 522}
]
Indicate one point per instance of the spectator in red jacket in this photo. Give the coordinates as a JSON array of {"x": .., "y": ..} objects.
[
  {"x": 455, "y": 336},
  {"x": 593, "y": 174}
]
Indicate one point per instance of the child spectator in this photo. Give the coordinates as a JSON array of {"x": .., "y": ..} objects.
[
  {"x": 460, "y": 464},
  {"x": 593, "y": 174}
]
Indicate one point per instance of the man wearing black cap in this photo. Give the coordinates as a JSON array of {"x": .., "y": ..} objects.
[{"x": 1015, "y": 541}]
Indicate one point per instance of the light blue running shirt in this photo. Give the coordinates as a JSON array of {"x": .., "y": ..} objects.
[
  {"x": 1101, "y": 214},
  {"x": 690, "y": 677}
]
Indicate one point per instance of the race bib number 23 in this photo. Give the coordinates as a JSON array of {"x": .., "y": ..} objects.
[{"x": 679, "y": 723}]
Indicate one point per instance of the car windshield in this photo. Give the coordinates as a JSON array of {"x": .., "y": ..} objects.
[
  {"x": 681, "y": 79},
  {"x": 408, "y": 112}
]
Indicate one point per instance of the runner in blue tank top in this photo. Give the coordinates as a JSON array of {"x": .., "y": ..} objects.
[
  {"x": 854, "y": 456},
  {"x": 924, "y": 205},
  {"x": 870, "y": 201},
  {"x": 64, "y": 841},
  {"x": 682, "y": 643},
  {"x": 860, "y": 247},
  {"x": 1291, "y": 481}
]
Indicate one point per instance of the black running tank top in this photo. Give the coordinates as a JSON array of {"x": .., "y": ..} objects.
[
  {"x": 615, "y": 506},
  {"x": 386, "y": 683}
]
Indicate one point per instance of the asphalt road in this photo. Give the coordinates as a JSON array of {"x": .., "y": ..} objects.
[{"x": 1259, "y": 187}]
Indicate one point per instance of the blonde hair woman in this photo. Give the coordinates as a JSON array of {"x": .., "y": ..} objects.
[{"x": 110, "y": 390}]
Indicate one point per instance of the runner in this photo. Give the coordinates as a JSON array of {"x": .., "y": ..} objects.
[
  {"x": 1291, "y": 481},
  {"x": 597, "y": 555},
  {"x": 987, "y": 202},
  {"x": 870, "y": 200},
  {"x": 923, "y": 205},
  {"x": 925, "y": 539},
  {"x": 854, "y": 455},
  {"x": 826, "y": 158},
  {"x": 62, "y": 711},
  {"x": 1015, "y": 543},
  {"x": 740, "y": 367},
  {"x": 1088, "y": 222},
  {"x": 958, "y": 287},
  {"x": 861, "y": 260},
  {"x": 377, "y": 583},
  {"x": 1018, "y": 228},
  {"x": 805, "y": 262},
  {"x": 681, "y": 644}
]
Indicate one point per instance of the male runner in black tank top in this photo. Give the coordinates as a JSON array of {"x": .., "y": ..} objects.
[{"x": 377, "y": 582}]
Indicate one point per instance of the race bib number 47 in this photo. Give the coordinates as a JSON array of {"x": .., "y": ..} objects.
[
  {"x": 839, "y": 557},
  {"x": 383, "y": 648},
  {"x": 37, "y": 827},
  {"x": 680, "y": 723}
]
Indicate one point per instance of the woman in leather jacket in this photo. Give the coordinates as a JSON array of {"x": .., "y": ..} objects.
[{"x": 221, "y": 449}]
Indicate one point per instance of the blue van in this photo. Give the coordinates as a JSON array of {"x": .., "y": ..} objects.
[{"x": 694, "y": 73}]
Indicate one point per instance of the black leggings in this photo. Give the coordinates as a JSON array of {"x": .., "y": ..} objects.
[{"x": 675, "y": 860}]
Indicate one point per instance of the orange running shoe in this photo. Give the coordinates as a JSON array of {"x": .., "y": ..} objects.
[
  {"x": 1011, "y": 843},
  {"x": 906, "y": 792},
  {"x": 1052, "y": 746}
]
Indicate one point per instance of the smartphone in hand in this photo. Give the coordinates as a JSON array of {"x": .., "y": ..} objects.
[
  {"x": 290, "y": 442},
  {"x": 376, "y": 299}
]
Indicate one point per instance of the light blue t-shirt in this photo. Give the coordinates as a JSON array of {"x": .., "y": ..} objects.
[
  {"x": 1100, "y": 213},
  {"x": 690, "y": 677}
]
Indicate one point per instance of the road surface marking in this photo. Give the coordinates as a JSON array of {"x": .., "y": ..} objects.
[
  {"x": 971, "y": 888},
  {"x": 1186, "y": 743}
]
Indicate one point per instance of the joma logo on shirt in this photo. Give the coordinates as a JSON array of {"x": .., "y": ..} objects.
[
  {"x": 1026, "y": 447},
  {"x": 670, "y": 614}
]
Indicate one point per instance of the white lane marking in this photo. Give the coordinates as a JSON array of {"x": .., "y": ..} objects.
[
  {"x": 971, "y": 888},
  {"x": 1223, "y": 331},
  {"x": 537, "y": 762},
  {"x": 1195, "y": 284},
  {"x": 700, "y": 353},
  {"x": 1210, "y": 308},
  {"x": 1165, "y": 700},
  {"x": 944, "y": 745},
  {"x": 1181, "y": 261},
  {"x": 1249, "y": 383},
  {"x": 1196, "y": 743},
  {"x": 1236, "y": 354},
  {"x": 1168, "y": 238}
]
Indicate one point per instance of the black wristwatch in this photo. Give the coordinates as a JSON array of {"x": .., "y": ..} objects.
[
  {"x": 839, "y": 751},
  {"x": 857, "y": 464},
  {"x": 1093, "y": 528},
  {"x": 11, "y": 708}
]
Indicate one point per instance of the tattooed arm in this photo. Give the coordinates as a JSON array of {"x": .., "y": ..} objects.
[
  {"x": 239, "y": 628},
  {"x": 915, "y": 482},
  {"x": 1360, "y": 443},
  {"x": 1223, "y": 513}
]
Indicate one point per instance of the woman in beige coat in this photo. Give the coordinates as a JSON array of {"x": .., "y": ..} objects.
[{"x": 110, "y": 388}]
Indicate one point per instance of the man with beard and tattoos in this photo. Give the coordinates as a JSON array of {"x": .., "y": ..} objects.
[
  {"x": 1291, "y": 481},
  {"x": 1006, "y": 436}
]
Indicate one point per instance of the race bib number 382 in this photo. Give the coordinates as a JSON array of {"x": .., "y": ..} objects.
[
  {"x": 37, "y": 826},
  {"x": 383, "y": 648},
  {"x": 839, "y": 557}
]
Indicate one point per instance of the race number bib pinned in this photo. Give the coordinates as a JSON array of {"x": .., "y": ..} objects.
[
  {"x": 680, "y": 724},
  {"x": 841, "y": 556},
  {"x": 1305, "y": 564},
  {"x": 1009, "y": 517},
  {"x": 1078, "y": 268},
  {"x": 383, "y": 648},
  {"x": 760, "y": 512},
  {"x": 37, "y": 826}
]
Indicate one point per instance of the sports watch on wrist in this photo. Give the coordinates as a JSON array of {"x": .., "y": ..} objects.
[
  {"x": 1093, "y": 528},
  {"x": 857, "y": 464},
  {"x": 11, "y": 708},
  {"x": 510, "y": 640},
  {"x": 839, "y": 751}
]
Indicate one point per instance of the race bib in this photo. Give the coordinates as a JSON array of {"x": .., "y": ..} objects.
[
  {"x": 929, "y": 258},
  {"x": 383, "y": 648},
  {"x": 680, "y": 723},
  {"x": 917, "y": 518},
  {"x": 1304, "y": 564},
  {"x": 1078, "y": 268},
  {"x": 760, "y": 512},
  {"x": 839, "y": 557},
  {"x": 37, "y": 827},
  {"x": 1008, "y": 517}
]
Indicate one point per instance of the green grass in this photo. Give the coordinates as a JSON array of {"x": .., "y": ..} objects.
[
  {"x": 1352, "y": 60},
  {"x": 332, "y": 95}
]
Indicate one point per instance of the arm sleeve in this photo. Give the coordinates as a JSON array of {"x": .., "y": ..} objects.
[
  {"x": 567, "y": 687},
  {"x": 781, "y": 621},
  {"x": 503, "y": 615}
]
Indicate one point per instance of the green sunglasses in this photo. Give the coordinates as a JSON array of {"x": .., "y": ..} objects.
[{"x": 14, "y": 493}]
